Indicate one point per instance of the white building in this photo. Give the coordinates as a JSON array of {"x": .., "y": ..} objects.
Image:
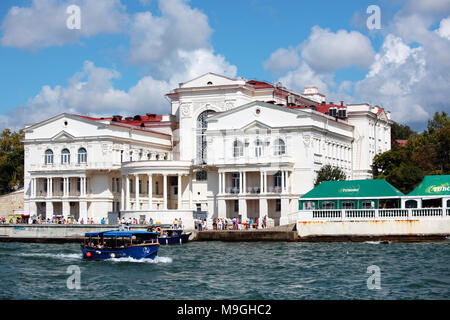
[{"x": 229, "y": 148}]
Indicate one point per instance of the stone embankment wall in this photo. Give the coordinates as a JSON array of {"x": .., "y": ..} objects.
[{"x": 10, "y": 202}]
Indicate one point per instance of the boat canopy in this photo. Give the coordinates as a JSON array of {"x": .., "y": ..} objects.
[
  {"x": 432, "y": 186},
  {"x": 116, "y": 233}
]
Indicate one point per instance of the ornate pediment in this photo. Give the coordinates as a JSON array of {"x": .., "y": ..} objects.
[
  {"x": 63, "y": 136},
  {"x": 256, "y": 127}
]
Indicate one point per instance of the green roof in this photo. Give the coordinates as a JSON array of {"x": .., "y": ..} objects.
[
  {"x": 433, "y": 186},
  {"x": 376, "y": 188}
]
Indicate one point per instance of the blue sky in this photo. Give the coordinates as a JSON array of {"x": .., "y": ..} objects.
[{"x": 104, "y": 67}]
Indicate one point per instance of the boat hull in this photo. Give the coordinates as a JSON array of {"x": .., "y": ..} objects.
[
  {"x": 176, "y": 239},
  {"x": 146, "y": 251}
]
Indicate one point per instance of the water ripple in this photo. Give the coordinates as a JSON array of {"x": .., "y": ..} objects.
[{"x": 217, "y": 270}]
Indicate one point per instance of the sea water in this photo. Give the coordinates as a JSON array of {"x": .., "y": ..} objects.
[{"x": 220, "y": 270}]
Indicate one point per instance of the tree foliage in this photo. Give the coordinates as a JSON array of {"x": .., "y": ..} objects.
[
  {"x": 400, "y": 132},
  {"x": 426, "y": 153},
  {"x": 11, "y": 160},
  {"x": 329, "y": 173}
]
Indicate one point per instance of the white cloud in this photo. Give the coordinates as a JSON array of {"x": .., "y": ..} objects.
[
  {"x": 397, "y": 80},
  {"x": 444, "y": 28},
  {"x": 43, "y": 24},
  {"x": 326, "y": 51},
  {"x": 304, "y": 76},
  {"x": 174, "y": 46},
  {"x": 282, "y": 60}
]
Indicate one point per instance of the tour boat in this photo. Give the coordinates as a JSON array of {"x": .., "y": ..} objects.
[
  {"x": 171, "y": 236},
  {"x": 120, "y": 244}
]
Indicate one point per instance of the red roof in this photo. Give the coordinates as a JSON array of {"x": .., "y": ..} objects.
[
  {"x": 139, "y": 122},
  {"x": 260, "y": 84},
  {"x": 322, "y": 108}
]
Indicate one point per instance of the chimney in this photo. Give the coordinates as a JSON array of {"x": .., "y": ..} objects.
[{"x": 342, "y": 103}]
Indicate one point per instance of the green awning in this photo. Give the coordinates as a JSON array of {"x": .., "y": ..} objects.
[
  {"x": 433, "y": 186},
  {"x": 369, "y": 189}
]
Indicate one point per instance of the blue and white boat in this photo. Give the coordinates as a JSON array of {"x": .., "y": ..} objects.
[{"x": 120, "y": 244}]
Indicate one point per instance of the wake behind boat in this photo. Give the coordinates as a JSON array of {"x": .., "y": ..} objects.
[{"x": 120, "y": 244}]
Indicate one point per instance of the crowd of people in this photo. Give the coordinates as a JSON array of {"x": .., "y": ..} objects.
[{"x": 232, "y": 224}]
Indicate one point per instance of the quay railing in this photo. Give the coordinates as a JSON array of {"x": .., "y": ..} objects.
[{"x": 372, "y": 214}]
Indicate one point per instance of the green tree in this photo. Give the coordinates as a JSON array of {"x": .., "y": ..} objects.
[
  {"x": 329, "y": 173},
  {"x": 11, "y": 160},
  {"x": 426, "y": 153},
  {"x": 400, "y": 132}
]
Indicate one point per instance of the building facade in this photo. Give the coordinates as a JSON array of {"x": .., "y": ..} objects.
[{"x": 229, "y": 148}]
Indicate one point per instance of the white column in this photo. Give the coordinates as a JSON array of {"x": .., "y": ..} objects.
[
  {"x": 48, "y": 187},
  {"x": 286, "y": 175},
  {"x": 224, "y": 181},
  {"x": 64, "y": 187},
  {"x": 136, "y": 192},
  {"x": 31, "y": 187},
  {"x": 122, "y": 194},
  {"x": 244, "y": 183},
  {"x": 261, "y": 183},
  {"x": 82, "y": 190},
  {"x": 127, "y": 200},
  {"x": 282, "y": 181},
  {"x": 150, "y": 191},
  {"x": 220, "y": 183},
  {"x": 265, "y": 181},
  {"x": 179, "y": 191},
  {"x": 190, "y": 192},
  {"x": 240, "y": 182},
  {"x": 165, "y": 191}
]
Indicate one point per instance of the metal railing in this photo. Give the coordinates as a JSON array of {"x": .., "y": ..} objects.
[{"x": 372, "y": 214}]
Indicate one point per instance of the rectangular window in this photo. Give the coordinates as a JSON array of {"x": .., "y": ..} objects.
[
  {"x": 328, "y": 205},
  {"x": 140, "y": 186},
  {"x": 278, "y": 205},
  {"x": 309, "y": 205},
  {"x": 78, "y": 184},
  {"x": 236, "y": 205},
  {"x": 368, "y": 205},
  {"x": 348, "y": 205},
  {"x": 201, "y": 175},
  {"x": 235, "y": 181}
]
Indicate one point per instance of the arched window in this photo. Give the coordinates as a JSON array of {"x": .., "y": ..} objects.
[
  {"x": 82, "y": 155},
  {"x": 411, "y": 204},
  {"x": 65, "y": 156},
  {"x": 258, "y": 148},
  {"x": 238, "y": 149},
  {"x": 48, "y": 157},
  {"x": 202, "y": 125},
  {"x": 280, "y": 147}
]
